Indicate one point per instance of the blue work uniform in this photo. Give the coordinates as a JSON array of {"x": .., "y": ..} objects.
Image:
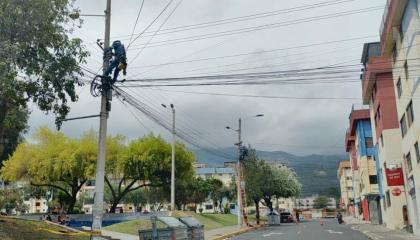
[{"x": 119, "y": 57}]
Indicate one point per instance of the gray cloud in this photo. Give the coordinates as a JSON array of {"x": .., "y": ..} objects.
[{"x": 288, "y": 125}]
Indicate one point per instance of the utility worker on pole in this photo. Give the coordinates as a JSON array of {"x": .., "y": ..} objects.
[{"x": 119, "y": 62}]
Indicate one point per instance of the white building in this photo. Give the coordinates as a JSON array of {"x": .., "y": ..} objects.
[
  {"x": 308, "y": 203},
  {"x": 400, "y": 41},
  {"x": 223, "y": 174}
]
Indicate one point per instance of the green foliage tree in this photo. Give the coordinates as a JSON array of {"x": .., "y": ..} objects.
[
  {"x": 15, "y": 125},
  {"x": 265, "y": 182},
  {"x": 216, "y": 192},
  {"x": 320, "y": 202},
  {"x": 136, "y": 198},
  {"x": 12, "y": 199},
  {"x": 145, "y": 162},
  {"x": 56, "y": 161},
  {"x": 195, "y": 191},
  {"x": 39, "y": 62}
]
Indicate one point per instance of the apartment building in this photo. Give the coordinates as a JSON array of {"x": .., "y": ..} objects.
[
  {"x": 359, "y": 145},
  {"x": 307, "y": 203},
  {"x": 345, "y": 177},
  {"x": 379, "y": 93},
  {"x": 223, "y": 174},
  {"x": 400, "y": 42}
]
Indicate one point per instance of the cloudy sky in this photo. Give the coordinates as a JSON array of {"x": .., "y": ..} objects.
[{"x": 293, "y": 125}]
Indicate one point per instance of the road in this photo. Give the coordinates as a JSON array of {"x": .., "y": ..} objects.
[{"x": 311, "y": 230}]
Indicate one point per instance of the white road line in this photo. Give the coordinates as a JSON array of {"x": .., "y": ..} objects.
[
  {"x": 269, "y": 234},
  {"x": 331, "y": 231},
  {"x": 299, "y": 232}
]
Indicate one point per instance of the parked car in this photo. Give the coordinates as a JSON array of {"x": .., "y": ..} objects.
[{"x": 286, "y": 217}]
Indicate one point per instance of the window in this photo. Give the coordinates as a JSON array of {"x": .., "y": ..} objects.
[
  {"x": 369, "y": 142},
  {"x": 403, "y": 125},
  {"x": 399, "y": 87},
  {"x": 409, "y": 164},
  {"x": 416, "y": 147},
  {"x": 406, "y": 70},
  {"x": 349, "y": 188},
  {"x": 37, "y": 204},
  {"x": 388, "y": 199},
  {"x": 382, "y": 139},
  {"x": 209, "y": 206},
  {"x": 373, "y": 179},
  {"x": 348, "y": 178},
  {"x": 410, "y": 114}
]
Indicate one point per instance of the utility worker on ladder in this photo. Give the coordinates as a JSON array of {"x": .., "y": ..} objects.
[{"x": 119, "y": 62}]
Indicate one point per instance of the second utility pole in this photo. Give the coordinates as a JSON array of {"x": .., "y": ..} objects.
[
  {"x": 98, "y": 205},
  {"x": 238, "y": 185},
  {"x": 173, "y": 161}
]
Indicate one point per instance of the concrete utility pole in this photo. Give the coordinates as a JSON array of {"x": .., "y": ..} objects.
[
  {"x": 238, "y": 184},
  {"x": 173, "y": 161},
  {"x": 98, "y": 205},
  {"x": 173, "y": 158}
]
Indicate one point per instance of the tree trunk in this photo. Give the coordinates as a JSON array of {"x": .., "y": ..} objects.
[
  {"x": 268, "y": 203},
  {"x": 114, "y": 206},
  {"x": 257, "y": 210},
  {"x": 72, "y": 203}
]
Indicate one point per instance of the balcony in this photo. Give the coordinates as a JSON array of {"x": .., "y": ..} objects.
[{"x": 391, "y": 18}]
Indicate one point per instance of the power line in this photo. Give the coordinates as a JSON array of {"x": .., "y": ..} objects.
[
  {"x": 257, "y": 52},
  {"x": 241, "y": 18},
  {"x": 135, "y": 24},
  {"x": 260, "y": 27},
  {"x": 154, "y": 20},
  {"x": 163, "y": 23},
  {"x": 260, "y": 96},
  {"x": 155, "y": 117}
]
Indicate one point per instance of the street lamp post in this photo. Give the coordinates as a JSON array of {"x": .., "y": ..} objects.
[
  {"x": 238, "y": 166},
  {"x": 173, "y": 158}
]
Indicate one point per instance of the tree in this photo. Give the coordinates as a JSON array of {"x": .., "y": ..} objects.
[
  {"x": 136, "y": 198},
  {"x": 216, "y": 192},
  {"x": 56, "y": 161},
  {"x": 12, "y": 199},
  {"x": 39, "y": 62},
  {"x": 195, "y": 191},
  {"x": 15, "y": 125},
  {"x": 145, "y": 162},
  {"x": 320, "y": 202},
  {"x": 264, "y": 181}
]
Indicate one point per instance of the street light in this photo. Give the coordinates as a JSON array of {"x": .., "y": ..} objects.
[
  {"x": 238, "y": 164},
  {"x": 173, "y": 157}
]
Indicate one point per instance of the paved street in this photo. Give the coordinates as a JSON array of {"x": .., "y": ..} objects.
[{"x": 306, "y": 231}]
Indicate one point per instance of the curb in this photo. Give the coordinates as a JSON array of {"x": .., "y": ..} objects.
[{"x": 233, "y": 234}]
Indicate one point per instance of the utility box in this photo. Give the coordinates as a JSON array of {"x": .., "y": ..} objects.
[
  {"x": 173, "y": 230},
  {"x": 195, "y": 228},
  {"x": 273, "y": 219}
]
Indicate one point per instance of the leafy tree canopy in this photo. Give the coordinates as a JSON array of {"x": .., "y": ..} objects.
[
  {"x": 54, "y": 160},
  {"x": 39, "y": 62}
]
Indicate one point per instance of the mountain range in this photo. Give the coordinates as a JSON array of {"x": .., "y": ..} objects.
[{"x": 316, "y": 173}]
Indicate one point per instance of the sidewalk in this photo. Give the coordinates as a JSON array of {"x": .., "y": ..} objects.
[
  {"x": 209, "y": 235},
  {"x": 227, "y": 232},
  {"x": 119, "y": 236},
  {"x": 379, "y": 232}
]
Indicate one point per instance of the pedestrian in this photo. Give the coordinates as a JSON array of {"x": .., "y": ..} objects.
[
  {"x": 297, "y": 217},
  {"x": 49, "y": 217}
]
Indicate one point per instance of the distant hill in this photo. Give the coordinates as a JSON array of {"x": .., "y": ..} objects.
[{"x": 316, "y": 172}]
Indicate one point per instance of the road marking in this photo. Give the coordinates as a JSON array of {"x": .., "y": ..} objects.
[
  {"x": 331, "y": 231},
  {"x": 299, "y": 232},
  {"x": 269, "y": 234}
]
